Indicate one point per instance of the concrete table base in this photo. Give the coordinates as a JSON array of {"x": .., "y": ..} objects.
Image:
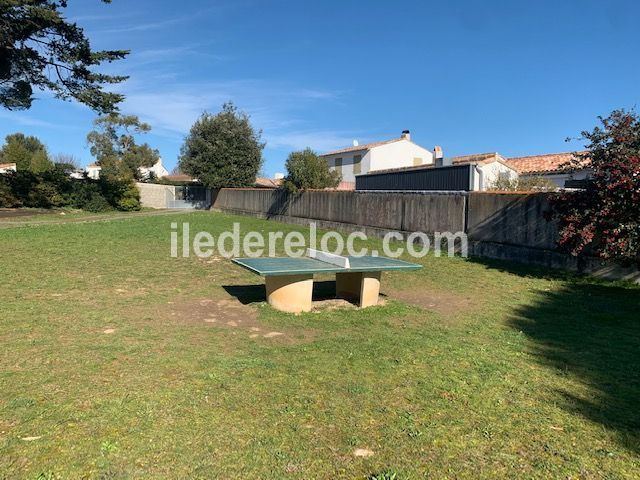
[
  {"x": 290, "y": 293},
  {"x": 362, "y": 288}
]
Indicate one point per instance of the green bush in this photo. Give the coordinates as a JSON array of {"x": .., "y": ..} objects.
[
  {"x": 97, "y": 203},
  {"x": 55, "y": 189},
  {"x": 129, "y": 204}
]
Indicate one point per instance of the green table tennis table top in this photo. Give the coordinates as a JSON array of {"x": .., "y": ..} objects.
[{"x": 304, "y": 265}]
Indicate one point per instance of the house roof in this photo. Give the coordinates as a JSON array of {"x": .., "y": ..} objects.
[
  {"x": 7, "y": 165},
  {"x": 262, "y": 182},
  {"x": 180, "y": 177},
  {"x": 480, "y": 158},
  {"x": 346, "y": 186},
  {"x": 550, "y": 162},
  {"x": 401, "y": 169},
  {"x": 366, "y": 146},
  {"x": 93, "y": 165},
  {"x": 475, "y": 159}
]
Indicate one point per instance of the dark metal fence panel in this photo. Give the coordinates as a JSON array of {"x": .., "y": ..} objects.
[
  {"x": 454, "y": 178},
  {"x": 191, "y": 193},
  {"x": 188, "y": 196}
]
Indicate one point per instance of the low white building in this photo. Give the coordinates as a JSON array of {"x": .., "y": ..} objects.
[
  {"x": 475, "y": 173},
  {"x": 362, "y": 159},
  {"x": 552, "y": 166},
  {"x": 489, "y": 168},
  {"x": 93, "y": 171},
  {"x": 8, "y": 167},
  {"x": 158, "y": 170}
]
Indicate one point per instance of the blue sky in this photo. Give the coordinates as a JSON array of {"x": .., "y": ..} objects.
[{"x": 516, "y": 77}]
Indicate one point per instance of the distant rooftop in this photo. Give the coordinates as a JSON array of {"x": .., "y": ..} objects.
[
  {"x": 180, "y": 177},
  {"x": 366, "y": 146},
  {"x": 546, "y": 163},
  {"x": 262, "y": 182},
  {"x": 550, "y": 162},
  {"x": 481, "y": 158}
]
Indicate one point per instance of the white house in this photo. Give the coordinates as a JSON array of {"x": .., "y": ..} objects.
[
  {"x": 489, "y": 168},
  {"x": 7, "y": 167},
  {"x": 157, "y": 169},
  {"x": 483, "y": 172},
  {"x": 93, "y": 171},
  {"x": 552, "y": 166},
  {"x": 362, "y": 159}
]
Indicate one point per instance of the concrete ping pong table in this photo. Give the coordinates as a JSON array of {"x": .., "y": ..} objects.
[{"x": 289, "y": 280}]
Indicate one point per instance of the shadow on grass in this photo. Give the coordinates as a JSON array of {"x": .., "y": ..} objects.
[
  {"x": 591, "y": 332},
  {"x": 247, "y": 294},
  {"x": 525, "y": 270},
  {"x": 588, "y": 329}
]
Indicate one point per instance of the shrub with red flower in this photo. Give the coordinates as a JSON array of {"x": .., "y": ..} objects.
[{"x": 604, "y": 218}]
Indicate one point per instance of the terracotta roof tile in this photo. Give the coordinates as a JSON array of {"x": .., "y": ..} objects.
[
  {"x": 346, "y": 186},
  {"x": 7, "y": 165},
  {"x": 481, "y": 158},
  {"x": 268, "y": 182},
  {"x": 178, "y": 178},
  {"x": 551, "y": 162}
]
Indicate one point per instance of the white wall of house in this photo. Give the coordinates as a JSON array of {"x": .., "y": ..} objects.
[
  {"x": 8, "y": 167},
  {"x": 349, "y": 163},
  {"x": 402, "y": 153},
  {"x": 490, "y": 173},
  {"x": 560, "y": 178},
  {"x": 78, "y": 174},
  {"x": 399, "y": 154},
  {"x": 93, "y": 171},
  {"x": 158, "y": 170}
]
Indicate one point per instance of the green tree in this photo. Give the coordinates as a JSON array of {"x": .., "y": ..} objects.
[
  {"x": 27, "y": 152},
  {"x": 222, "y": 150},
  {"x": 113, "y": 144},
  {"x": 40, "y": 49},
  {"x": 306, "y": 170},
  {"x": 533, "y": 183},
  {"x": 604, "y": 218}
]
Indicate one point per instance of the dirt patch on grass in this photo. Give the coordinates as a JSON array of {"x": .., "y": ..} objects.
[
  {"x": 445, "y": 303},
  {"x": 17, "y": 212},
  {"x": 229, "y": 313}
]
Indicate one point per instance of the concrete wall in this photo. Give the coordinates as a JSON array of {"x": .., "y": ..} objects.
[
  {"x": 427, "y": 212},
  {"x": 500, "y": 226},
  {"x": 153, "y": 195},
  {"x": 511, "y": 219}
]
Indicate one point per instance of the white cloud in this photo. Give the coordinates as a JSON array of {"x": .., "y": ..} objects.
[
  {"x": 161, "y": 56},
  {"x": 27, "y": 120},
  {"x": 275, "y": 108},
  {"x": 320, "y": 141}
]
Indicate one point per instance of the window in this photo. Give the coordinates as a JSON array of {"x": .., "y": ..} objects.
[
  {"x": 417, "y": 161},
  {"x": 357, "y": 164},
  {"x": 339, "y": 165}
]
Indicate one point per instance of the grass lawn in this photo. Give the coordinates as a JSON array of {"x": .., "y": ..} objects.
[{"x": 118, "y": 361}]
